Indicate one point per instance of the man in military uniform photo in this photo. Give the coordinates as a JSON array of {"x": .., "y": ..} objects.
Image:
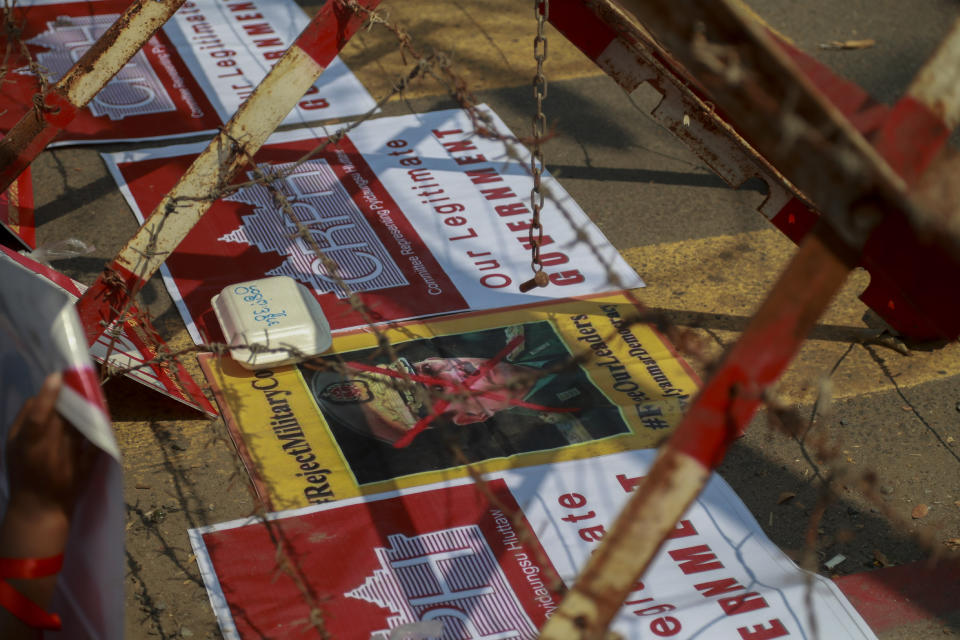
[{"x": 490, "y": 393}]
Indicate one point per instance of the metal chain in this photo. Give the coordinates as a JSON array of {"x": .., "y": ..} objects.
[{"x": 535, "y": 236}]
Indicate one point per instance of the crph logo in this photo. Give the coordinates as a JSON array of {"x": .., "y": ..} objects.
[
  {"x": 449, "y": 577},
  {"x": 335, "y": 223},
  {"x": 135, "y": 90}
]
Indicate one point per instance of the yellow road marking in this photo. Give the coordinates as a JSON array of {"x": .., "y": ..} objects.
[
  {"x": 718, "y": 282},
  {"x": 489, "y": 44}
]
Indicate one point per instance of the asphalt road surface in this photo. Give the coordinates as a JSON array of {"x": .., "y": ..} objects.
[{"x": 706, "y": 254}]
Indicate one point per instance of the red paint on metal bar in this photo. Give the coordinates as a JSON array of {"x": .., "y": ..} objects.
[
  {"x": 908, "y": 135},
  {"x": 906, "y": 270},
  {"x": 892, "y": 597},
  {"x": 59, "y": 112},
  {"x": 16, "y": 210},
  {"x": 329, "y": 30},
  {"x": 581, "y": 26},
  {"x": 730, "y": 398},
  {"x": 911, "y": 137},
  {"x": 580, "y": 23},
  {"x": 795, "y": 220},
  {"x": 846, "y": 96},
  {"x": 20, "y": 196},
  {"x": 36, "y": 134},
  {"x": 910, "y": 279},
  {"x": 24, "y": 155}
]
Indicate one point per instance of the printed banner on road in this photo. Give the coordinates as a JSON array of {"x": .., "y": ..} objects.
[
  {"x": 560, "y": 380},
  {"x": 131, "y": 346},
  {"x": 421, "y": 216},
  {"x": 463, "y": 560},
  {"x": 188, "y": 79}
]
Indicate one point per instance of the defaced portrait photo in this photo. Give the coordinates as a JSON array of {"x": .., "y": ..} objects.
[{"x": 487, "y": 394}]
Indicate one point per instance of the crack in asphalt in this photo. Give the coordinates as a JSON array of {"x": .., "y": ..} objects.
[
  {"x": 886, "y": 371},
  {"x": 486, "y": 35}
]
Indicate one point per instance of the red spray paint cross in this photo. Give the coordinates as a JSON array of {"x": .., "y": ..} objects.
[{"x": 466, "y": 386}]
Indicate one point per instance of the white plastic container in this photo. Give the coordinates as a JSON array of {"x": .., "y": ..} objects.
[{"x": 271, "y": 322}]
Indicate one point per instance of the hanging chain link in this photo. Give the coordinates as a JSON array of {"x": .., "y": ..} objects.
[{"x": 535, "y": 237}]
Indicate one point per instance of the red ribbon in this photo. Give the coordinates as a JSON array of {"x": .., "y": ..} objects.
[
  {"x": 25, "y": 609},
  {"x": 467, "y": 385}
]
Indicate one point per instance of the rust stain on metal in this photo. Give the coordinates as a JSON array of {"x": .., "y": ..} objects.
[{"x": 121, "y": 41}]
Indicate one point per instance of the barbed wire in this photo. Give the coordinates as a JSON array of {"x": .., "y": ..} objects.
[{"x": 438, "y": 66}]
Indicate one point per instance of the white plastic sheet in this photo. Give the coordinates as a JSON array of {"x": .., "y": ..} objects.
[{"x": 40, "y": 334}]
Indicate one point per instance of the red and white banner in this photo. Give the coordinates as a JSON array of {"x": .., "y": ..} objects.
[
  {"x": 188, "y": 79},
  {"x": 457, "y": 560},
  {"x": 421, "y": 216},
  {"x": 131, "y": 346},
  {"x": 16, "y": 210},
  {"x": 40, "y": 334}
]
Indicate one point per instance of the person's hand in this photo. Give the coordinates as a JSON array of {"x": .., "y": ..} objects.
[
  {"x": 48, "y": 460},
  {"x": 48, "y": 463}
]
